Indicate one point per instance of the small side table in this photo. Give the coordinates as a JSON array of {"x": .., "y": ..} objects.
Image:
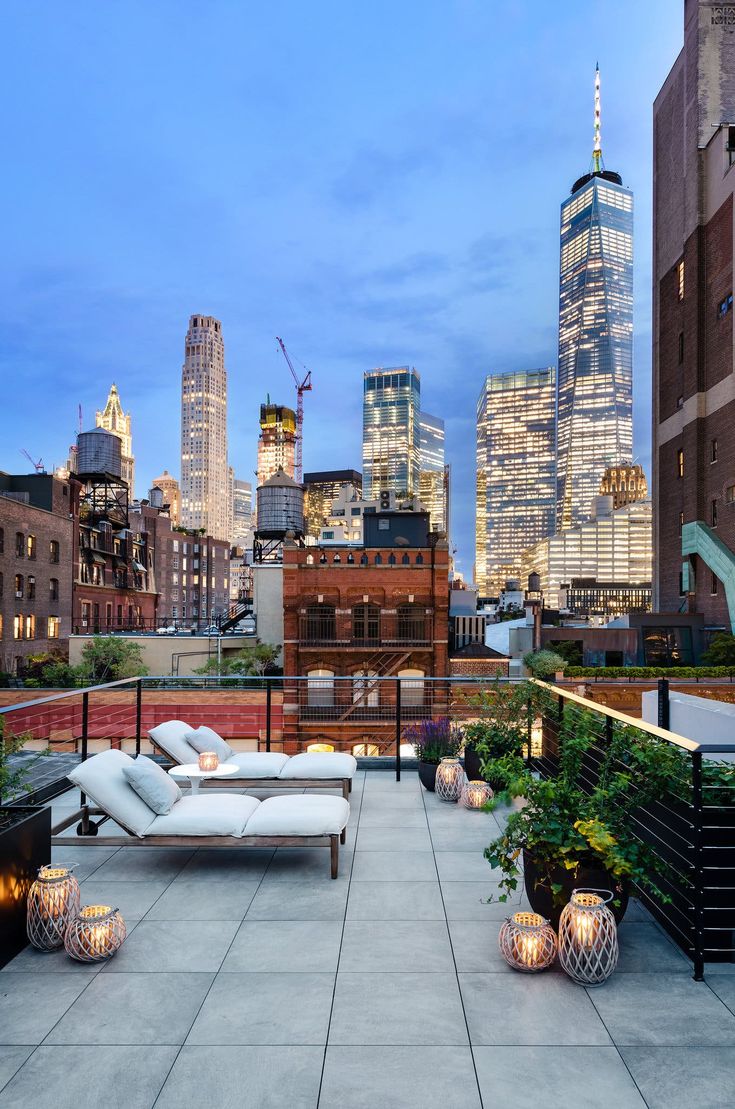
[{"x": 191, "y": 771}]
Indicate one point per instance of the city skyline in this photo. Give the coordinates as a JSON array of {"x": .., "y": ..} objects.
[{"x": 443, "y": 254}]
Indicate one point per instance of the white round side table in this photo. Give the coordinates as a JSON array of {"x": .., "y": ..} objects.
[{"x": 191, "y": 771}]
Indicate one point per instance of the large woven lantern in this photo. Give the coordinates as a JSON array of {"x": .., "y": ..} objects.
[
  {"x": 588, "y": 937},
  {"x": 53, "y": 901},
  {"x": 97, "y": 933},
  {"x": 476, "y": 794},
  {"x": 449, "y": 780},
  {"x": 527, "y": 942}
]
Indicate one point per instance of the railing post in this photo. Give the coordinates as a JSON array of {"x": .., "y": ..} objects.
[
  {"x": 398, "y": 729},
  {"x": 85, "y": 736},
  {"x": 268, "y": 700},
  {"x": 664, "y": 707},
  {"x": 138, "y": 713},
  {"x": 698, "y": 881}
]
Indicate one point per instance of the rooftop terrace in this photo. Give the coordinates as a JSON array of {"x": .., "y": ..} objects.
[{"x": 250, "y": 979}]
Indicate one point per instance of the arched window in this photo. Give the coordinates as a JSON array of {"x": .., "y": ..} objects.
[
  {"x": 336, "y": 560},
  {"x": 412, "y": 687},
  {"x": 366, "y": 624},
  {"x": 365, "y": 689},
  {"x": 322, "y": 558},
  {"x": 350, "y": 558},
  {"x": 360, "y": 750},
  {"x": 53, "y": 589},
  {"x": 419, "y": 560},
  {"x": 411, "y": 623},
  {"x": 378, "y": 559},
  {"x": 20, "y": 544},
  {"x": 53, "y": 550},
  {"x": 363, "y": 560},
  {"x": 391, "y": 560},
  {"x": 405, "y": 561},
  {"x": 30, "y": 588},
  {"x": 310, "y": 560},
  {"x": 31, "y": 546},
  {"x": 320, "y": 687},
  {"x": 19, "y": 585},
  {"x": 321, "y": 624}
]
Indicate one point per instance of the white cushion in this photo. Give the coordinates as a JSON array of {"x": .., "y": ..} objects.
[
  {"x": 212, "y": 814},
  {"x": 153, "y": 784},
  {"x": 102, "y": 779},
  {"x": 302, "y": 815},
  {"x": 169, "y": 736},
  {"x": 258, "y": 764},
  {"x": 204, "y": 739},
  {"x": 315, "y": 764}
]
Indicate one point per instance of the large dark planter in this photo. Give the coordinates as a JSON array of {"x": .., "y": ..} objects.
[
  {"x": 25, "y": 846},
  {"x": 538, "y": 888},
  {"x": 472, "y": 765},
  {"x": 427, "y": 775}
]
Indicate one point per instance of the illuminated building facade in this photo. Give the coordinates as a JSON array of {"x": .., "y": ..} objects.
[
  {"x": 613, "y": 546},
  {"x": 112, "y": 418},
  {"x": 277, "y": 441},
  {"x": 433, "y": 472},
  {"x": 625, "y": 484},
  {"x": 205, "y": 483},
  {"x": 171, "y": 490},
  {"x": 321, "y": 489},
  {"x": 595, "y": 372},
  {"x": 516, "y": 472},
  {"x": 391, "y": 438},
  {"x": 242, "y": 513}
]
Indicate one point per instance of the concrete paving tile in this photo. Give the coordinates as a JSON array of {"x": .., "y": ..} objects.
[
  {"x": 409, "y": 945},
  {"x": 11, "y": 1060},
  {"x": 265, "y": 1009},
  {"x": 144, "y": 864},
  {"x": 134, "y": 1009},
  {"x": 525, "y": 1077},
  {"x": 86, "y": 860},
  {"x": 683, "y": 1077},
  {"x": 244, "y": 1078},
  {"x": 644, "y": 948},
  {"x": 305, "y": 864},
  {"x": 290, "y": 900},
  {"x": 398, "y": 1078},
  {"x": 663, "y": 1010},
  {"x": 190, "y": 899},
  {"x": 395, "y": 901},
  {"x": 525, "y": 1009},
  {"x": 723, "y": 985},
  {"x": 174, "y": 945},
  {"x": 133, "y": 899},
  {"x": 463, "y": 866},
  {"x": 32, "y": 1002},
  {"x": 397, "y": 1009},
  {"x": 393, "y": 818},
  {"x": 285, "y": 945},
  {"x": 216, "y": 864},
  {"x": 87, "y": 1077},
  {"x": 394, "y": 866},
  {"x": 471, "y": 901},
  {"x": 391, "y": 839}
]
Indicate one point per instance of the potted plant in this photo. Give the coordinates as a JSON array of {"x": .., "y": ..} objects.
[
  {"x": 545, "y": 665},
  {"x": 25, "y": 845},
  {"x": 433, "y": 740},
  {"x": 571, "y": 837},
  {"x": 505, "y": 712}
]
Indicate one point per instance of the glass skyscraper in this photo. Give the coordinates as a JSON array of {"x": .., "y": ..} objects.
[
  {"x": 391, "y": 443},
  {"x": 516, "y": 472},
  {"x": 595, "y": 373},
  {"x": 433, "y": 475}
]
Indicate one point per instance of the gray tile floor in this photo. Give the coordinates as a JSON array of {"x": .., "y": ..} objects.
[{"x": 251, "y": 979}]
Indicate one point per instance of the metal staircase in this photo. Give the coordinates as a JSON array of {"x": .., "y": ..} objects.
[
  {"x": 381, "y": 665},
  {"x": 235, "y": 614}
]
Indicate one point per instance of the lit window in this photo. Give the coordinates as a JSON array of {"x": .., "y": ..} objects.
[
  {"x": 680, "y": 463},
  {"x": 30, "y": 627},
  {"x": 680, "y": 278},
  {"x": 53, "y": 627}
]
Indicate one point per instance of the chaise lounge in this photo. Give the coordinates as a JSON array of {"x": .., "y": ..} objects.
[
  {"x": 217, "y": 820},
  {"x": 256, "y": 768}
]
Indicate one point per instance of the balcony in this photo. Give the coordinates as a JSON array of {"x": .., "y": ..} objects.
[{"x": 387, "y": 628}]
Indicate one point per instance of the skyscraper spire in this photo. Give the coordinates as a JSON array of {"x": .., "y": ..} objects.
[{"x": 597, "y": 148}]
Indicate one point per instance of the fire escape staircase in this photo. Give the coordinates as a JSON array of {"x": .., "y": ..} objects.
[
  {"x": 234, "y": 615},
  {"x": 379, "y": 665}
]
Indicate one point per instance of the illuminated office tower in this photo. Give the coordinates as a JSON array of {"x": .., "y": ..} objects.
[
  {"x": 242, "y": 513},
  {"x": 595, "y": 376},
  {"x": 516, "y": 473},
  {"x": 277, "y": 441},
  {"x": 433, "y": 472},
  {"x": 169, "y": 486},
  {"x": 205, "y": 481},
  {"x": 113, "y": 419},
  {"x": 391, "y": 442}
]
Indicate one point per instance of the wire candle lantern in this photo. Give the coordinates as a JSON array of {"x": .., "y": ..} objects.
[
  {"x": 449, "y": 780},
  {"x": 97, "y": 933},
  {"x": 53, "y": 901},
  {"x": 527, "y": 942},
  {"x": 476, "y": 794},
  {"x": 588, "y": 937}
]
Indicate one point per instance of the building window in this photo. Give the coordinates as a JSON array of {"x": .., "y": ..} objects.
[
  {"x": 30, "y": 627},
  {"x": 320, "y": 687},
  {"x": 680, "y": 402},
  {"x": 411, "y": 623},
  {"x": 53, "y": 589},
  {"x": 681, "y": 522},
  {"x": 19, "y": 586},
  {"x": 2, "y": 540},
  {"x": 681, "y": 347},
  {"x": 713, "y": 585},
  {"x": 405, "y": 561},
  {"x": 713, "y": 513},
  {"x": 680, "y": 463},
  {"x": 1, "y": 584},
  {"x": 724, "y": 306},
  {"x": 730, "y": 494},
  {"x": 680, "y": 279},
  {"x": 366, "y": 623},
  {"x": 17, "y": 627},
  {"x": 54, "y": 624},
  {"x": 30, "y": 588},
  {"x": 419, "y": 560},
  {"x": 713, "y": 451},
  {"x": 20, "y": 544},
  {"x": 53, "y": 550},
  {"x": 321, "y": 623},
  {"x": 31, "y": 546},
  {"x": 412, "y": 687}
]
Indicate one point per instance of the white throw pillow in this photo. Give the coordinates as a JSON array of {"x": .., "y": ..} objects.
[
  {"x": 153, "y": 784},
  {"x": 204, "y": 739}
]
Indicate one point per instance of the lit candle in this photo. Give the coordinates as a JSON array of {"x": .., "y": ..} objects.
[
  {"x": 527, "y": 941},
  {"x": 585, "y": 923},
  {"x": 588, "y": 939},
  {"x": 53, "y": 900},
  {"x": 208, "y": 761}
]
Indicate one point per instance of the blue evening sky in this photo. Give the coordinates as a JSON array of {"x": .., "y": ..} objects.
[{"x": 379, "y": 183}]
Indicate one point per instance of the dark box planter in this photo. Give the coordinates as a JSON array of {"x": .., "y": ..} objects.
[
  {"x": 427, "y": 775},
  {"x": 585, "y": 877},
  {"x": 25, "y": 846}
]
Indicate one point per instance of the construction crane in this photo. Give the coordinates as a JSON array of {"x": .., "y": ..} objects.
[
  {"x": 301, "y": 388},
  {"x": 37, "y": 466}
]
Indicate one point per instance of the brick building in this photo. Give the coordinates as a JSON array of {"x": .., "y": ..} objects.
[
  {"x": 352, "y": 614},
  {"x": 693, "y": 376},
  {"x": 36, "y": 544}
]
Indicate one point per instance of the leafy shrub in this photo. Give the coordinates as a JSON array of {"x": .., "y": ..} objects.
[
  {"x": 434, "y": 740},
  {"x": 649, "y": 671},
  {"x": 544, "y": 664}
]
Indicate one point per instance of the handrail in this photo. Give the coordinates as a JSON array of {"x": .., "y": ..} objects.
[{"x": 66, "y": 693}]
